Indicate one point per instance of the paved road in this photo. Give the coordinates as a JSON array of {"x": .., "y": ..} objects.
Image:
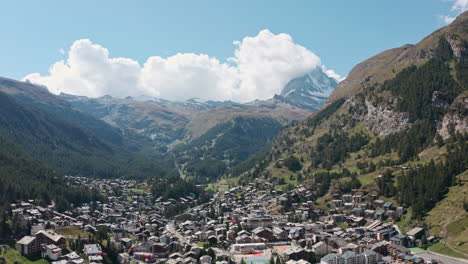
[
  {"x": 427, "y": 256},
  {"x": 170, "y": 227}
]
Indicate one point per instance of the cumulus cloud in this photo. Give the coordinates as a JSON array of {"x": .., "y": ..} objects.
[
  {"x": 189, "y": 75},
  {"x": 458, "y": 7},
  {"x": 266, "y": 62},
  {"x": 260, "y": 67},
  {"x": 89, "y": 71}
]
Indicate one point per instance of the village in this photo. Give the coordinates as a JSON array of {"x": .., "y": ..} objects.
[{"x": 251, "y": 224}]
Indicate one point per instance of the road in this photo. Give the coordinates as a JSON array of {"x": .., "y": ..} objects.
[
  {"x": 170, "y": 227},
  {"x": 427, "y": 256}
]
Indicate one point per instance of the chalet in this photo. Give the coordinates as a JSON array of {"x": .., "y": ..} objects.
[
  {"x": 299, "y": 253},
  {"x": 263, "y": 233},
  {"x": 280, "y": 234},
  {"x": 400, "y": 239},
  {"x": 409, "y": 259},
  {"x": 415, "y": 233},
  {"x": 395, "y": 250}
]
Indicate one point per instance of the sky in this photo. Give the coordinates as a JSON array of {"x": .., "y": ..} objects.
[{"x": 214, "y": 50}]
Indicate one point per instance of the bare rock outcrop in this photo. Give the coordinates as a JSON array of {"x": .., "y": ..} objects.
[
  {"x": 384, "y": 121},
  {"x": 456, "y": 120}
]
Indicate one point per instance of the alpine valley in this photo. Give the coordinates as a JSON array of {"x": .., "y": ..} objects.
[{"x": 374, "y": 163}]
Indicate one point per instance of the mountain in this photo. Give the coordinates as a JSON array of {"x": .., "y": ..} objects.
[
  {"x": 40, "y": 97},
  {"x": 195, "y": 129},
  {"x": 310, "y": 91},
  {"x": 395, "y": 129},
  {"x": 163, "y": 122},
  {"x": 69, "y": 140},
  {"x": 166, "y": 122},
  {"x": 387, "y": 64},
  {"x": 225, "y": 145}
]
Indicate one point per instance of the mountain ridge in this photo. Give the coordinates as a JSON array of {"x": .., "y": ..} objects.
[
  {"x": 387, "y": 64},
  {"x": 396, "y": 128}
]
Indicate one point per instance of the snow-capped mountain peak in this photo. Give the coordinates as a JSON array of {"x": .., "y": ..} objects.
[{"x": 311, "y": 90}]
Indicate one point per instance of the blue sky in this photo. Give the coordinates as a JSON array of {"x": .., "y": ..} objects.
[{"x": 341, "y": 33}]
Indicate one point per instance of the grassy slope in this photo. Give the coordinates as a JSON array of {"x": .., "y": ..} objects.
[
  {"x": 443, "y": 249},
  {"x": 13, "y": 256},
  {"x": 449, "y": 220},
  {"x": 387, "y": 64},
  {"x": 72, "y": 231}
]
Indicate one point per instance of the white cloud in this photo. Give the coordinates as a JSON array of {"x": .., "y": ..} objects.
[
  {"x": 189, "y": 75},
  {"x": 89, "y": 71},
  {"x": 266, "y": 63},
  {"x": 448, "y": 19},
  {"x": 333, "y": 74},
  {"x": 259, "y": 68},
  {"x": 458, "y": 7}
]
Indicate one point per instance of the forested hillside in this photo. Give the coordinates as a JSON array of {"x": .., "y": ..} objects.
[
  {"x": 218, "y": 151},
  {"x": 399, "y": 133},
  {"x": 72, "y": 149},
  {"x": 23, "y": 177}
]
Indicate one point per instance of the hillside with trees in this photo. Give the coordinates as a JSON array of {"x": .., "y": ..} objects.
[{"x": 400, "y": 132}]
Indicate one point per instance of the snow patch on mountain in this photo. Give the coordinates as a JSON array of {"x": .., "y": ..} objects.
[{"x": 311, "y": 90}]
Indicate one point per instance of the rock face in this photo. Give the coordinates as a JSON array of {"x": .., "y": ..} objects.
[
  {"x": 383, "y": 121},
  {"x": 456, "y": 120},
  {"x": 400, "y": 95},
  {"x": 459, "y": 51},
  {"x": 310, "y": 91}
]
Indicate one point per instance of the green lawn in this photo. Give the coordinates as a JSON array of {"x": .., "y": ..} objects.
[
  {"x": 137, "y": 190},
  {"x": 71, "y": 231},
  {"x": 13, "y": 256},
  {"x": 343, "y": 225},
  {"x": 417, "y": 250},
  {"x": 222, "y": 184},
  {"x": 366, "y": 178},
  {"x": 202, "y": 244}
]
